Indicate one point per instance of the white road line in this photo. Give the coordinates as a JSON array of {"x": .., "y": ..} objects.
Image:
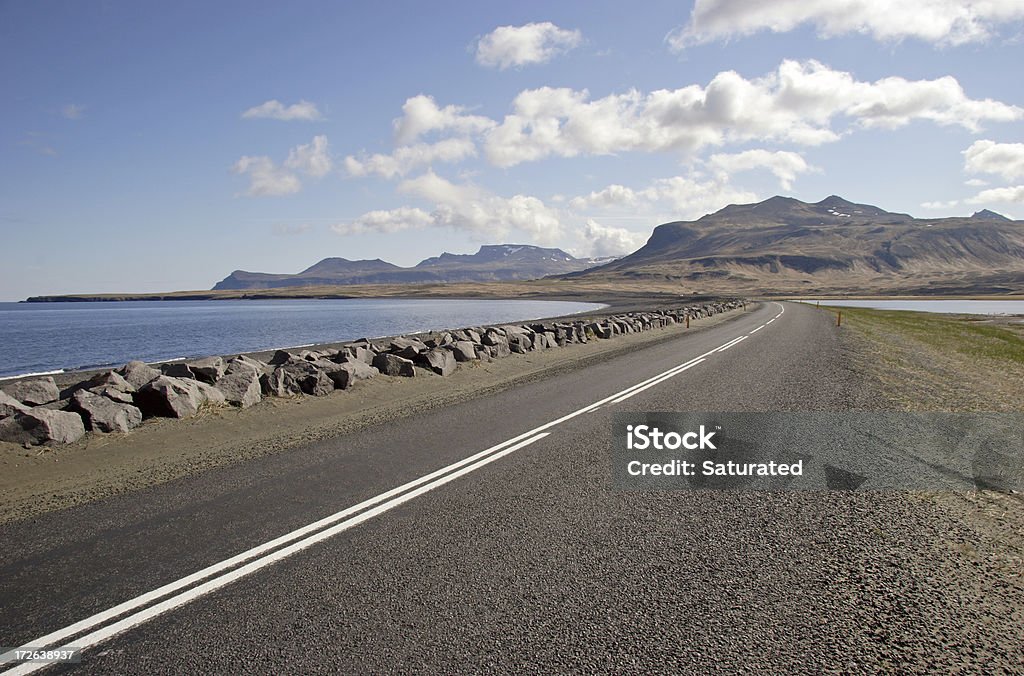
[
  {"x": 641, "y": 389},
  {"x": 181, "y": 599},
  {"x": 756, "y": 330},
  {"x": 457, "y": 469}
]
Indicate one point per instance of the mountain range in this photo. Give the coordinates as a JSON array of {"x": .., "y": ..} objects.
[
  {"x": 783, "y": 245},
  {"x": 499, "y": 262}
]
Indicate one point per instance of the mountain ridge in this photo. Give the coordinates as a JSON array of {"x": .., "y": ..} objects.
[
  {"x": 784, "y": 245},
  {"x": 492, "y": 262}
]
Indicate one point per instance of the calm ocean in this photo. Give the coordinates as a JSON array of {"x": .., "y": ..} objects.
[{"x": 50, "y": 337}]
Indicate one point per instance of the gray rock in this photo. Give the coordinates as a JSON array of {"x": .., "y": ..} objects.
[
  {"x": 208, "y": 370},
  {"x": 393, "y": 365},
  {"x": 105, "y": 415},
  {"x": 113, "y": 394},
  {"x": 138, "y": 373},
  {"x": 519, "y": 342},
  {"x": 402, "y": 344},
  {"x": 464, "y": 351},
  {"x": 34, "y": 392},
  {"x": 297, "y": 377},
  {"x": 362, "y": 354},
  {"x": 359, "y": 369},
  {"x": 241, "y": 388},
  {"x": 42, "y": 426},
  {"x": 171, "y": 397},
  {"x": 281, "y": 357},
  {"x": 177, "y": 370},
  {"x": 493, "y": 336},
  {"x": 440, "y": 361},
  {"x": 338, "y": 373},
  {"x": 110, "y": 379},
  {"x": 10, "y": 406},
  {"x": 241, "y": 364},
  {"x": 500, "y": 349}
]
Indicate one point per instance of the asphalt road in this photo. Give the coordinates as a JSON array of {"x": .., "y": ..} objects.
[{"x": 527, "y": 559}]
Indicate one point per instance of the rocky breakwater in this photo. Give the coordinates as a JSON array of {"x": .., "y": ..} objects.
[{"x": 37, "y": 411}]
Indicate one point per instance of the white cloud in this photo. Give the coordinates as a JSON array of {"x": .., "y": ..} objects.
[
  {"x": 72, "y": 111},
  {"x": 796, "y": 103},
  {"x": 989, "y": 157},
  {"x": 533, "y": 43},
  {"x": 312, "y": 158},
  {"x": 603, "y": 240},
  {"x": 672, "y": 198},
  {"x": 421, "y": 115},
  {"x": 267, "y": 179},
  {"x": 406, "y": 158},
  {"x": 275, "y": 110},
  {"x": 939, "y": 206},
  {"x": 463, "y": 207},
  {"x": 946, "y": 22},
  {"x": 975, "y": 182},
  {"x": 783, "y": 164},
  {"x": 386, "y": 221},
  {"x": 612, "y": 196},
  {"x": 1008, "y": 194}
]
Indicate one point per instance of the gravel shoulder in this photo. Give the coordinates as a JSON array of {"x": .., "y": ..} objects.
[{"x": 956, "y": 363}]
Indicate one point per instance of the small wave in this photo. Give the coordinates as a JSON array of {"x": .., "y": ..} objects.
[{"x": 29, "y": 375}]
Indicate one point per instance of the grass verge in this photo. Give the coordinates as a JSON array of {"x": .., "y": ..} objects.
[{"x": 933, "y": 362}]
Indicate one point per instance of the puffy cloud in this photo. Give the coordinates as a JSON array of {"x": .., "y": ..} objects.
[
  {"x": 267, "y": 179},
  {"x": 784, "y": 164},
  {"x": 533, "y": 43},
  {"x": 796, "y": 103},
  {"x": 312, "y": 158},
  {"x": 406, "y": 158},
  {"x": 421, "y": 115},
  {"x": 676, "y": 197},
  {"x": 975, "y": 182},
  {"x": 989, "y": 157},
  {"x": 463, "y": 207},
  {"x": 603, "y": 240},
  {"x": 612, "y": 196},
  {"x": 72, "y": 111},
  {"x": 275, "y": 110},
  {"x": 1008, "y": 194},
  {"x": 386, "y": 220},
  {"x": 948, "y": 22}
]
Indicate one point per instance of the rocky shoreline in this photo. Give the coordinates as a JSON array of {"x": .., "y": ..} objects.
[{"x": 37, "y": 411}]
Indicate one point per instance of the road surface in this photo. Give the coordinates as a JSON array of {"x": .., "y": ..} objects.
[{"x": 488, "y": 536}]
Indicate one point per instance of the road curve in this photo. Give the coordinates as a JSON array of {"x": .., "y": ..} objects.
[{"x": 488, "y": 536}]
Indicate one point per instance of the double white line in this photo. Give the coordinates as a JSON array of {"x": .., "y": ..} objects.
[{"x": 225, "y": 572}]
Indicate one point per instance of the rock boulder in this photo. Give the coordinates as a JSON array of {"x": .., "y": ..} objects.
[
  {"x": 105, "y": 415},
  {"x": 35, "y": 392},
  {"x": 138, "y": 373},
  {"x": 42, "y": 426},
  {"x": 241, "y": 388},
  {"x": 393, "y": 365}
]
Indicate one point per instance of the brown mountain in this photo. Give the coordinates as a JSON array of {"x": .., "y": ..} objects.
[
  {"x": 783, "y": 245},
  {"x": 497, "y": 262}
]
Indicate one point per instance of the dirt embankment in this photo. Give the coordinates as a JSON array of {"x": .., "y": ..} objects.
[{"x": 49, "y": 478}]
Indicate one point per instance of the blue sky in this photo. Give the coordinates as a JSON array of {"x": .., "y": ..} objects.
[{"x": 159, "y": 146}]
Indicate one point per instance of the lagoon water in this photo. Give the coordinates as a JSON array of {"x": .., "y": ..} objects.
[
  {"x": 50, "y": 337},
  {"x": 965, "y": 307}
]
